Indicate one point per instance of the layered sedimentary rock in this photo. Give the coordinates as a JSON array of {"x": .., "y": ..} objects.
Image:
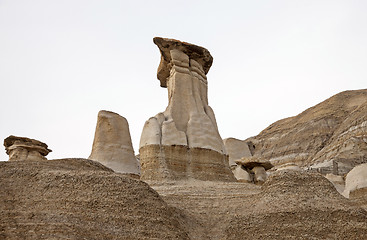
[
  {"x": 289, "y": 166},
  {"x": 298, "y": 205},
  {"x": 23, "y": 149},
  {"x": 183, "y": 141},
  {"x": 112, "y": 144},
  {"x": 81, "y": 199},
  {"x": 330, "y": 137}
]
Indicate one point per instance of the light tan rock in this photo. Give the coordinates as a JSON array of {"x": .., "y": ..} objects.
[
  {"x": 112, "y": 144},
  {"x": 260, "y": 175},
  {"x": 24, "y": 149},
  {"x": 337, "y": 181},
  {"x": 188, "y": 120},
  {"x": 236, "y": 149},
  {"x": 356, "y": 179},
  {"x": 242, "y": 175}
]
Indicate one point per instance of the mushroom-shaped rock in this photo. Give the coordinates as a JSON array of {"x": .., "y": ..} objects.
[
  {"x": 183, "y": 141},
  {"x": 251, "y": 162},
  {"x": 356, "y": 181},
  {"x": 22, "y": 148},
  {"x": 112, "y": 144},
  {"x": 257, "y": 166}
]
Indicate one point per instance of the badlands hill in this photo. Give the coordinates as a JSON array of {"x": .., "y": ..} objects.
[
  {"x": 80, "y": 199},
  {"x": 298, "y": 205},
  {"x": 330, "y": 135}
]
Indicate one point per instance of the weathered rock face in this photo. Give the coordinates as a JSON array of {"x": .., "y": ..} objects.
[
  {"x": 188, "y": 120},
  {"x": 331, "y": 136},
  {"x": 242, "y": 175},
  {"x": 81, "y": 199},
  {"x": 112, "y": 144},
  {"x": 356, "y": 180},
  {"x": 236, "y": 149},
  {"x": 23, "y": 149},
  {"x": 337, "y": 181},
  {"x": 298, "y": 205},
  {"x": 289, "y": 166}
]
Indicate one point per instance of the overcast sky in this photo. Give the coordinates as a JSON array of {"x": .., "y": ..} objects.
[{"x": 63, "y": 61}]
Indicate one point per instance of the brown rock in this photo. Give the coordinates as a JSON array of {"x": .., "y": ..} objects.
[
  {"x": 251, "y": 162},
  {"x": 23, "y": 149},
  {"x": 330, "y": 137},
  {"x": 81, "y": 199},
  {"x": 181, "y": 162},
  {"x": 165, "y": 45},
  {"x": 298, "y": 205},
  {"x": 290, "y": 205}
]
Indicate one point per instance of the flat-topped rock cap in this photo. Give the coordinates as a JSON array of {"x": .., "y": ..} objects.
[
  {"x": 251, "y": 162},
  {"x": 27, "y": 143},
  {"x": 165, "y": 45}
]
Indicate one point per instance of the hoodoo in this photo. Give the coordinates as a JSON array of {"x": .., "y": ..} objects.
[
  {"x": 24, "y": 149},
  {"x": 112, "y": 144},
  {"x": 183, "y": 141}
]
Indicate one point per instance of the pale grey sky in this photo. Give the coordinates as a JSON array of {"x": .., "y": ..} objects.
[{"x": 63, "y": 61}]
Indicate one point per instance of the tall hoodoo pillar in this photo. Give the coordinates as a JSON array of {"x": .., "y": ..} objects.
[{"x": 183, "y": 141}]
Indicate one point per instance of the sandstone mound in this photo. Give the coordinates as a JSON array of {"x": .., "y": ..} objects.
[
  {"x": 332, "y": 134},
  {"x": 81, "y": 199},
  {"x": 298, "y": 205}
]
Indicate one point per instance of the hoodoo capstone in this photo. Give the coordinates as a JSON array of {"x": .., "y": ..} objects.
[
  {"x": 22, "y": 149},
  {"x": 183, "y": 141}
]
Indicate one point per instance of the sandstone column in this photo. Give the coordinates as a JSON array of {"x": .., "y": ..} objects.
[
  {"x": 183, "y": 141},
  {"x": 112, "y": 144}
]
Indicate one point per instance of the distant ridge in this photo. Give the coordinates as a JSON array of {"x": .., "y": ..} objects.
[{"x": 334, "y": 130}]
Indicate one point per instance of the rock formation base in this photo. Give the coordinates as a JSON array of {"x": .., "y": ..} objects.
[{"x": 181, "y": 162}]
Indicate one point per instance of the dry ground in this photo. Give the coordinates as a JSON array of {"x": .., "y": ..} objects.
[{"x": 81, "y": 199}]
